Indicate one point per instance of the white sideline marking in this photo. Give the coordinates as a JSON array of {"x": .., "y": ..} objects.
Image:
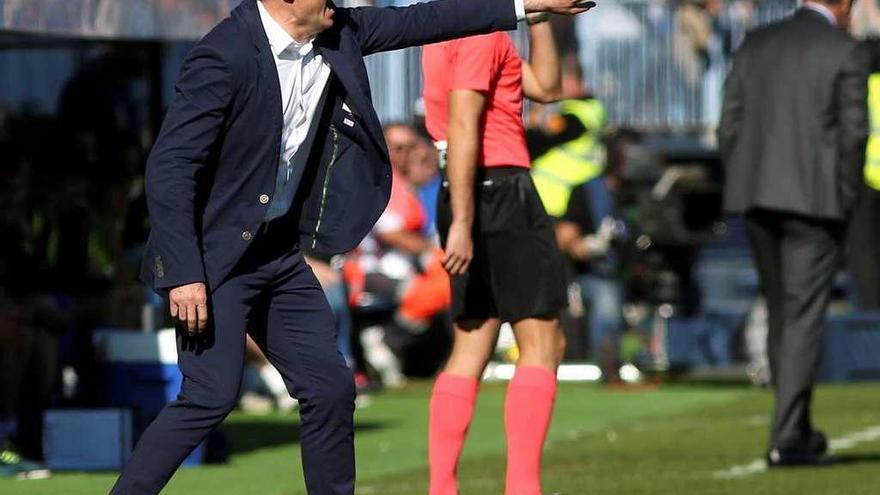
[
  {"x": 755, "y": 467},
  {"x": 843, "y": 443},
  {"x": 853, "y": 439}
]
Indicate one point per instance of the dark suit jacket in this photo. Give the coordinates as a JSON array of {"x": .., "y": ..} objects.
[
  {"x": 218, "y": 151},
  {"x": 795, "y": 120}
]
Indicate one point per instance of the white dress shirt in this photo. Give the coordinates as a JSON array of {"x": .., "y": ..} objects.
[
  {"x": 303, "y": 75},
  {"x": 520, "y": 6}
]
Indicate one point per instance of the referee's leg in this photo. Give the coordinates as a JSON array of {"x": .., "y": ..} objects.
[
  {"x": 453, "y": 400},
  {"x": 530, "y": 398},
  {"x": 529, "y": 284}
]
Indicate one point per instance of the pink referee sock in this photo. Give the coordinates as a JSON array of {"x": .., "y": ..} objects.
[
  {"x": 452, "y": 408},
  {"x": 527, "y": 413}
]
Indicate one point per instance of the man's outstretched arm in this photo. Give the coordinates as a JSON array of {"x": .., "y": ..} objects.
[{"x": 392, "y": 28}]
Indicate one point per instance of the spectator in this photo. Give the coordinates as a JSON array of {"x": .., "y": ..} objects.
[
  {"x": 692, "y": 39},
  {"x": 793, "y": 136},
  {"x": 568, "y": 144},
  {"x": 401, "y": 139},
  {"x": 866, "y": 18},
  {"x": 29, "y": 320},
  {"x": 585, "y": 234},
  {"x": 272, "y": 382},
  {"x": 396, "y": 267},
  {"x": 334, "y": 288},
  {"x": 864, "y": 231},
  {"x": 569, "y": 176},
  {"x": 423, "y": 172},
  {"x": 606, "y": 37},
  {"x": 337, "y": 295},
  {"x": 698, "y": 50}
]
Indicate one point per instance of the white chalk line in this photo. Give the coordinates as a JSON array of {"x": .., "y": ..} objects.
[
  {"x": 845, "y": 442},
  {"x": 758, "y": 466}
]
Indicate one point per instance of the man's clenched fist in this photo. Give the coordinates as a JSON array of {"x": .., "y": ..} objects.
[
  {"x": 189, "y": 304},
  {"x": 564, "y": 7}
]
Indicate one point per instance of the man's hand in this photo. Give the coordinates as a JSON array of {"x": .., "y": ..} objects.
[
  {"x": 459, "y": 249},
  {"x": 189, "y": 304},
  {"x": 563, "y": 7}
]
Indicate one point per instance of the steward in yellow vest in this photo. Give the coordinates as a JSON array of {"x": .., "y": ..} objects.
[
  {"x": 872, "y": 164},
  {"x": 863, "y": 256},
  {"x": 568, "y": 150}
]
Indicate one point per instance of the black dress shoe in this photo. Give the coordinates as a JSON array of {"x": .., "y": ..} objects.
[
  {"x": 818, "y": 443},
  {"x": 794, "y": 457}
]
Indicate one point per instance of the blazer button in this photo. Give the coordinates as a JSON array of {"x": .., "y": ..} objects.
[
  {"x": 246, "y": 235},
  {"x": 264, "y": 199}
]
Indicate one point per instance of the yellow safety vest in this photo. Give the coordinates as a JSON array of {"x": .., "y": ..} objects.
[
  {"x": 557, "y": 172},
  {"x": 872, "y": 165}
]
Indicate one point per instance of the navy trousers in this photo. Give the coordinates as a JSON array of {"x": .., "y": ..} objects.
[{"x": 274, "y": 296}]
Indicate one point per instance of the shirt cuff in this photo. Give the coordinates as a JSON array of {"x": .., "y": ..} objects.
[{"x": 520, "y": 7}]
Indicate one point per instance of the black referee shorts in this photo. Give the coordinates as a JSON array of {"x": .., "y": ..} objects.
[{"x": 517, "y": 270}]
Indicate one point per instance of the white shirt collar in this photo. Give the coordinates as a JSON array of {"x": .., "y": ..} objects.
[
  {"x": 279, "y": 39},
  {"x": 821, "y": 9}
]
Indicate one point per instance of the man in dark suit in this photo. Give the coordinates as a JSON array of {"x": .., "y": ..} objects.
[
  {"x": 793, "y": 135},
  {"x": 272, "y": 143}
]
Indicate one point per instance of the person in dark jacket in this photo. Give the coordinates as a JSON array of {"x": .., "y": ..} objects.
[
  {"x": 793, "y": 136},
  {"x": 863, "y": 250}
]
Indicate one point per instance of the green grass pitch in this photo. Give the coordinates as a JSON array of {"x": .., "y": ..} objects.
[{"x": 672, "y": 440}]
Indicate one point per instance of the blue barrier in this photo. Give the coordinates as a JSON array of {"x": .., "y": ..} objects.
[
  {"x": 139, "y": 372},
  {"x": 851, "y": 348},
  {"x": 87, "y": 440},
  {"x": 851, "y": 344},
  {"x": 706, "y": 340}
]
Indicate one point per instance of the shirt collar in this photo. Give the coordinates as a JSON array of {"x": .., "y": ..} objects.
[
  {"x": 279, "y": 39},
  {"x": 823, "y": 10}
]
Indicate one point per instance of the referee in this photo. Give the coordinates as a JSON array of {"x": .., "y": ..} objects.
[{"x": 499, "y": 243}]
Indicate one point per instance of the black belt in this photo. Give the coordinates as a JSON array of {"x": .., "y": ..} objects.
[{"x": 487, "y": 176}]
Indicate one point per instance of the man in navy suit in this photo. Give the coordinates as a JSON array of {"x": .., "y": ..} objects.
[{"x": 272, "y": 143}]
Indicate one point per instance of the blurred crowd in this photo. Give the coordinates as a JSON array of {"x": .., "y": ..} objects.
[
  {"x": 136, "y": 19},
  {"x": 73, "y": 222},
  {"x": 73, "y": 219}
]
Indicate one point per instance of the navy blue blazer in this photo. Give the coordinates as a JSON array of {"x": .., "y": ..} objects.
[{"x": 215, "y": 160}]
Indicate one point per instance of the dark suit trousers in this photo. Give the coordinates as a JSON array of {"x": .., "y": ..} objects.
[
  {"x": 276, "y": 297},
  {"x": 863, "y": 251},
  {"x": 797, "y": 258}
]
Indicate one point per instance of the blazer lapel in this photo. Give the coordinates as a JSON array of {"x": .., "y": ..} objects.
[
  {"x": 329, "y": 42},
  {"x": 250, "y": 15},
  {"x": 341, "y": 68},
  {"x": 269, "y": 76},
  {"x": 358, "y": 92}
]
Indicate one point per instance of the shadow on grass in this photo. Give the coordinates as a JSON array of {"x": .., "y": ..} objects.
[
  {"x": 853, "y": 459},
  {"x": 246, "y": 434},
  {"x": 686, "y": 378}
]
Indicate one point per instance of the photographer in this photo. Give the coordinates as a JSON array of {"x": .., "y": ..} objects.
[{"x": 585, "y": 233}]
